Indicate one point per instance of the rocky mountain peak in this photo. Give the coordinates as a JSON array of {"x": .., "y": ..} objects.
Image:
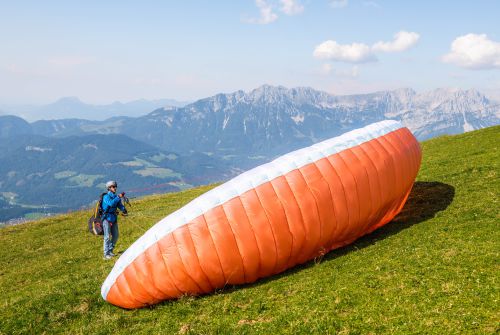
[{"x": 272, "y": 119}]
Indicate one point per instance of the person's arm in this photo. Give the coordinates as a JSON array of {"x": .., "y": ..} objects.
[
  {"x": 116, "y": 201},
  {"x": 120, "y": 204}
]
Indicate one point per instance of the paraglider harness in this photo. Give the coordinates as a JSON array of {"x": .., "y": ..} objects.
[{"x": 95, "y": 221}]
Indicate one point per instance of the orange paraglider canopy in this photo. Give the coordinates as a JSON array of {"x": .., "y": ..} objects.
[{"x": 271, "y": 218}]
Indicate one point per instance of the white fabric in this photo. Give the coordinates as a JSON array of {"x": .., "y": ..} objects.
[{"x": 241, "y": 184}]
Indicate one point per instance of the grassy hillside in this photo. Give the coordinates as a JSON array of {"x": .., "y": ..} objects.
[{"x": 434, "y": 269}]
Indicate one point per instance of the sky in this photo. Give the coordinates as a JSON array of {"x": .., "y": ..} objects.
[{"x": 106, "y": 51}]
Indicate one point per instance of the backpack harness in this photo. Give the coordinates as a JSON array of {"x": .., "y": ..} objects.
[{"x": 95, "y": 221}]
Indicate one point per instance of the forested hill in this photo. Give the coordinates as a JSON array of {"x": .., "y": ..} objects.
[{"x": 48, "y": 175}]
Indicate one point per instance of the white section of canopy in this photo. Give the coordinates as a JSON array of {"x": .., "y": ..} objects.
[{"x": 243, "y": 183}]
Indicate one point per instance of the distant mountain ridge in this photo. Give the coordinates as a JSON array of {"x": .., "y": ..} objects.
[
  {"x": 72, "y": 107},
  {"x": 268, "y": 116},
  {"x": 270, "y": 120},
  {"x": 12, "y": 126}
]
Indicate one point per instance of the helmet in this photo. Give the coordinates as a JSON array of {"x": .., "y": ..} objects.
[{"x": 111, "y": 183}]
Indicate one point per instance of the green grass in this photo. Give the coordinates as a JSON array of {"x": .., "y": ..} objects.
[
  {"x": 158, "y": 158},
  {"x": 158, "y": 172},
  {"x": 132, "y": 163},
  {"x": 64, "y": 174},
  {"x": 34, "y": 216},
  {"x": 181, "y": 185},
  {"x": 434, "y": 269},
  {"x": 84, "y": 180}
]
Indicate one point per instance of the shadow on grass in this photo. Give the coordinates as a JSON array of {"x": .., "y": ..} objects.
[{"x": 425, "y": 200}]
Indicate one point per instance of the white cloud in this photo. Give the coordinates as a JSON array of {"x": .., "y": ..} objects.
[
  {"x": 402, "y": 40},
  {"x": 338, "y": 3},
  {"x": 350, "y": 53},
  {"x": 266, "y": 13},
  {"x": 474, "y": 51},
  {"x": 291, "y": 7},
  {"x": 363, "y": 53}
]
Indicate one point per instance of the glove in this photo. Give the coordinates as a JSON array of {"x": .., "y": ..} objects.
[
  {"x": 125, "y": 213},
  {"x": 121, "y": 195}
]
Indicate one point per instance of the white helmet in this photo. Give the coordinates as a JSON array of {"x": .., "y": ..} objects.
[{"x": 111, "y": 183}]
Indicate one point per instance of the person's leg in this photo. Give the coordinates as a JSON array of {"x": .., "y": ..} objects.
[
  {"x": 115, "y": 234},
  {"x": 107, "y": 237}
]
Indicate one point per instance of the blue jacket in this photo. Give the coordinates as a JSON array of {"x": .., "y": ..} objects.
[{"x": 110, "y": 202}]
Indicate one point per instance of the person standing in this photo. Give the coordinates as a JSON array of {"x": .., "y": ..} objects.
[{"x": 110, "y": 203}]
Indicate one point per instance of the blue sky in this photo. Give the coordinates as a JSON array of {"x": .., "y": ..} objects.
[{"x": 103, "y": 51}]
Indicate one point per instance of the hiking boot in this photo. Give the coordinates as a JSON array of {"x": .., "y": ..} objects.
[{"x": 108, "y": 257}]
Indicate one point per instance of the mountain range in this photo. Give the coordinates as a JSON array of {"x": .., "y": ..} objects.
[
  {"x": 72, "y": 107},
  {"x": 270, "y": 120},
  {"x": 208, "y": 140}
]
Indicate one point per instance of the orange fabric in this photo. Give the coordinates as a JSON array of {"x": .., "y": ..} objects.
[{"x": 278, "y": 224}]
